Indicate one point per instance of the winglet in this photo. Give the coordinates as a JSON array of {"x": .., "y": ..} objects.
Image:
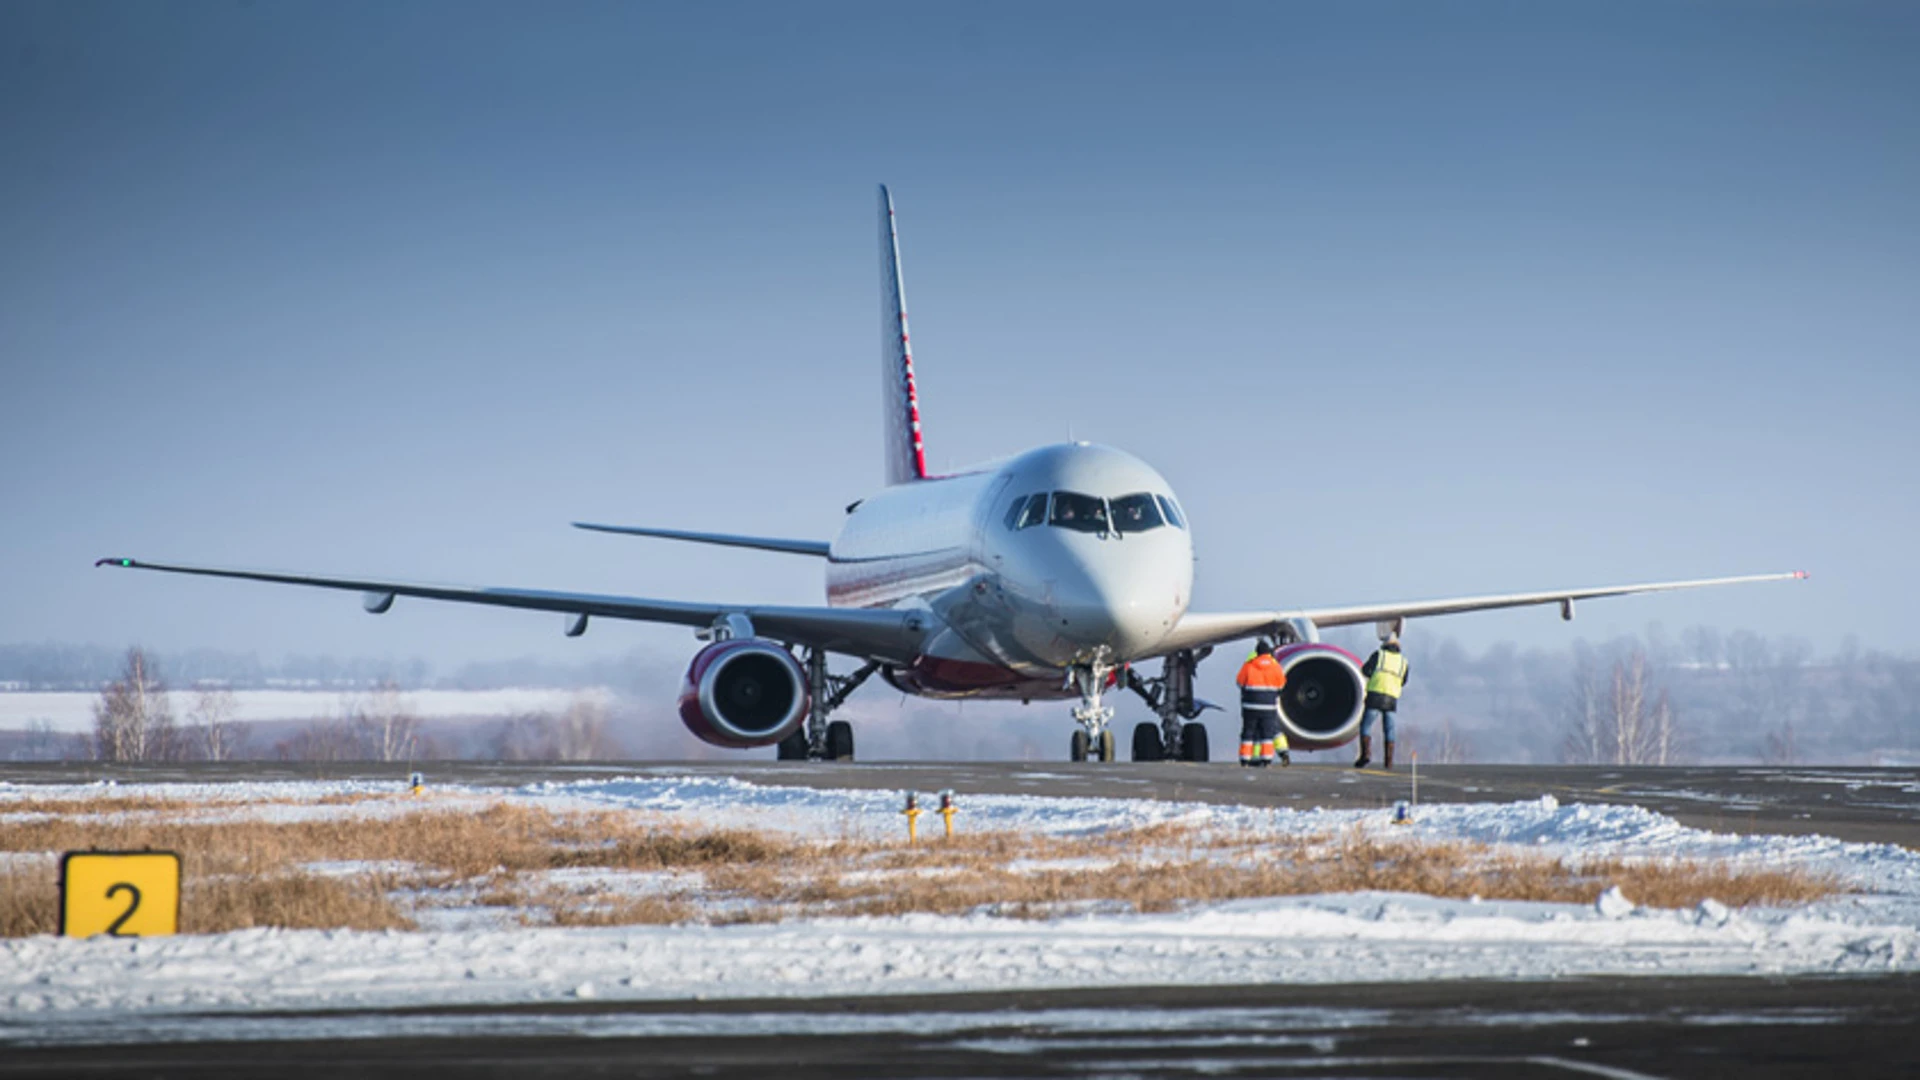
[{"x": 114, "y": 562}]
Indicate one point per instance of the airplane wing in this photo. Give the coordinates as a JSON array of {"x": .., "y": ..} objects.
[
  {"x": 869, "y": 633},
  {"x": 1202, "y": 628},
  {"x": 763, "y": 543}
]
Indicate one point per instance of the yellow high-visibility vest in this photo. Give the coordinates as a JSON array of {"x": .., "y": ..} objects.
[{"x": 1388, "y": 672}]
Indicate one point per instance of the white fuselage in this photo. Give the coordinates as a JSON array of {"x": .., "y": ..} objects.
[{"x": 1098, "y": 570}]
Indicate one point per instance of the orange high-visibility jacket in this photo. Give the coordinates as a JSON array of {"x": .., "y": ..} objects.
[{"x": 1260, "y": 681}]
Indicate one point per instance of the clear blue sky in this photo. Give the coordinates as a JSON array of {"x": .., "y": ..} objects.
[{"x": 1405, "y": 299}]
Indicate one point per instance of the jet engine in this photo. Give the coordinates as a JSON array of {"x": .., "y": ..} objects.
[
  {"x": 1324, "y": 696},
  {"x": 743, "y": 692}
]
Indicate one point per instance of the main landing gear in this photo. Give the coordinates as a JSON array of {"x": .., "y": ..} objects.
[
  {"x": 823, "y": 739},
  {"x": 1171, "y": 697}
]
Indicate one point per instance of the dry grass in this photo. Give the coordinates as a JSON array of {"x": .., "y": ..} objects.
[{"x": 247, "y": 872}]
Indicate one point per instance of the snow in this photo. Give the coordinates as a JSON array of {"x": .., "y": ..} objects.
[{"x": 54, "y": 989}]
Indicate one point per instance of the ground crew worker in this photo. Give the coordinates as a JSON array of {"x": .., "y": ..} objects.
[
  {"x": 1386, "y": 672},
  {"x": 1260, "y": 681}
]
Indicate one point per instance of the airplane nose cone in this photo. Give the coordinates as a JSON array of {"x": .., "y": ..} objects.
[{"x": 1128, "y": 605}]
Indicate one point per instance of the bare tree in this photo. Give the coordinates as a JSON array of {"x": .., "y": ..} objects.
[
  {"x": 387, "y": 726},
  {"x": 133, "y": 720},
  {"x": 328, "y": 739},
  {"x": 1449, "y": 746},
  {"x": 1586, "y": 728},
  {"x": 44, "y": 742},
  {"x": 213, "y": 734},
  {"x": 1622, "y": 720},
  {"x": 1782, "y": 746},
  {"x": 579, "y": 734}
]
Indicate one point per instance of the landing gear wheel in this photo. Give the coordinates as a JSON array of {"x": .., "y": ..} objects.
[
  {"x": 839, "y": 741},
  {"x": 1106, "y": 744},
  {"x": 1080, "y": 744},
  {"x": 1146, "y": 743},
  {"x": 794, "y": 746},
  {"x": 1193, "y": 742}
]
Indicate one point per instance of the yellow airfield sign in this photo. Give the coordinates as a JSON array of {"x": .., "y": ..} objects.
[{"x": 119, "y": 893}]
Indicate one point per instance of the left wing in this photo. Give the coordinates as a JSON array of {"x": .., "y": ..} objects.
[
  {"x": 863, "y": 632},
  {"x": 1201, "y": 628}
]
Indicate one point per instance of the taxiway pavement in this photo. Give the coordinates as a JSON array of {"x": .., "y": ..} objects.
[{"x": 1861, "y": 805}]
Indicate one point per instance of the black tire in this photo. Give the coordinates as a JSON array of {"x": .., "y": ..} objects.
[
  {"x": 1193, "y": 742},
  {"x": 1080, "y": 744},
  {"x": 1106, "y": 744},
  {"x": 1146, "y": 743},
  {"x": 839, "y": 741},
  {"x": 794, "y": 747}
]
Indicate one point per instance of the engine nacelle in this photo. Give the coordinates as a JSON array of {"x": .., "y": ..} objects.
[
  {"x": 1324, "y": 697},
  {"x": 743, "y": 692}
]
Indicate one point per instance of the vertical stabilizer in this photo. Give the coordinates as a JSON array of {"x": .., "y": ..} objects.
[{"x": 906, "y": 455}]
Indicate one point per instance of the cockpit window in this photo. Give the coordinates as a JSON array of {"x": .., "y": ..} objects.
[
  {"x": 1172, "y": 512},
  {"x": 1081, "y": 513},
  {"x": 1136, "y": 513},
  {"x": 1013, "y": 512},
  {"x": 1027, "y": 511}
]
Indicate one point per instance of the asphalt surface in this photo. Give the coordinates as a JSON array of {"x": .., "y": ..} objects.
[
  {"x": 1624, "y": 1029},
  {"x": 1862, "y": 805}
]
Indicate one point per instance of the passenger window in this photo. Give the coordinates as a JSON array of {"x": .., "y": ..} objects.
[
  {"x": 1081, "y": 513},
  {"x": 1135, "y": 514},
  {"x": 1013, "y": 512},
  {"x": 1172, "y": 512}
]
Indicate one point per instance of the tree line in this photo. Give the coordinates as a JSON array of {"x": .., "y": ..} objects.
[{"x": 1702, "y": 697}]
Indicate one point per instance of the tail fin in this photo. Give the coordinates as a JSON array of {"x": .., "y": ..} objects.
[{"x": 906, "y": 455}]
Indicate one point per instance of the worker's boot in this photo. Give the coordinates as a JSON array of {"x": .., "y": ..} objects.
[
  {"x": 1386, "y": 761},
  {"x": 1366, "y": 752},
  {"x": 1285, "y": 759}
]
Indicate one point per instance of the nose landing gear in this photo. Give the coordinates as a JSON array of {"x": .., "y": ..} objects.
[{"x": 1094, "y": 740}]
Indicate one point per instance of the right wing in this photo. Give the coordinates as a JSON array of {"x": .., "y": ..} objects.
[
  {"x": 1204, "y": 628},
  {"x": 863, "y": 632}
]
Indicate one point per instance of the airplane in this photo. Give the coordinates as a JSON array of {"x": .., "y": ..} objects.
[{"x": 1049, "y": 575}]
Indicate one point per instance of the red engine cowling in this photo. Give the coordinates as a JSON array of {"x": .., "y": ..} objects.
[
  {"x": 742, "y": 693},
  {"x": 1324, "y": 697}
]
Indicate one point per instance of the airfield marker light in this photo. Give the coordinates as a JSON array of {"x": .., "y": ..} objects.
[
  {"x": 913, "y": 818},
  {"x": 947, "y": 810},
  {"x": 416, "y": 783}
]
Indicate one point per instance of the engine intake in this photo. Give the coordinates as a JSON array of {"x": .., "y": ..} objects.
[
  {"x": 1324, "y": 697},
  {"x": 742, "y": 693}
]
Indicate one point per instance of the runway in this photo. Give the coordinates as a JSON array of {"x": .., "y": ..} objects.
[
  {"x": 1853, "y": 804},
  {"x": 1623, "y": 1029}
]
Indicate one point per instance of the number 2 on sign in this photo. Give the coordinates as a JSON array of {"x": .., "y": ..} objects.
[
  {"x": 114, "y": 930},
  {"x": 119, "y": 893}
]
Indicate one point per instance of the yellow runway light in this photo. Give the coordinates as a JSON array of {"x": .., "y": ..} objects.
[{"x": 119, "y": 893}]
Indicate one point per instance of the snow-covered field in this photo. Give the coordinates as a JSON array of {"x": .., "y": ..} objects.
[{"x": 56, "y": 990}]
